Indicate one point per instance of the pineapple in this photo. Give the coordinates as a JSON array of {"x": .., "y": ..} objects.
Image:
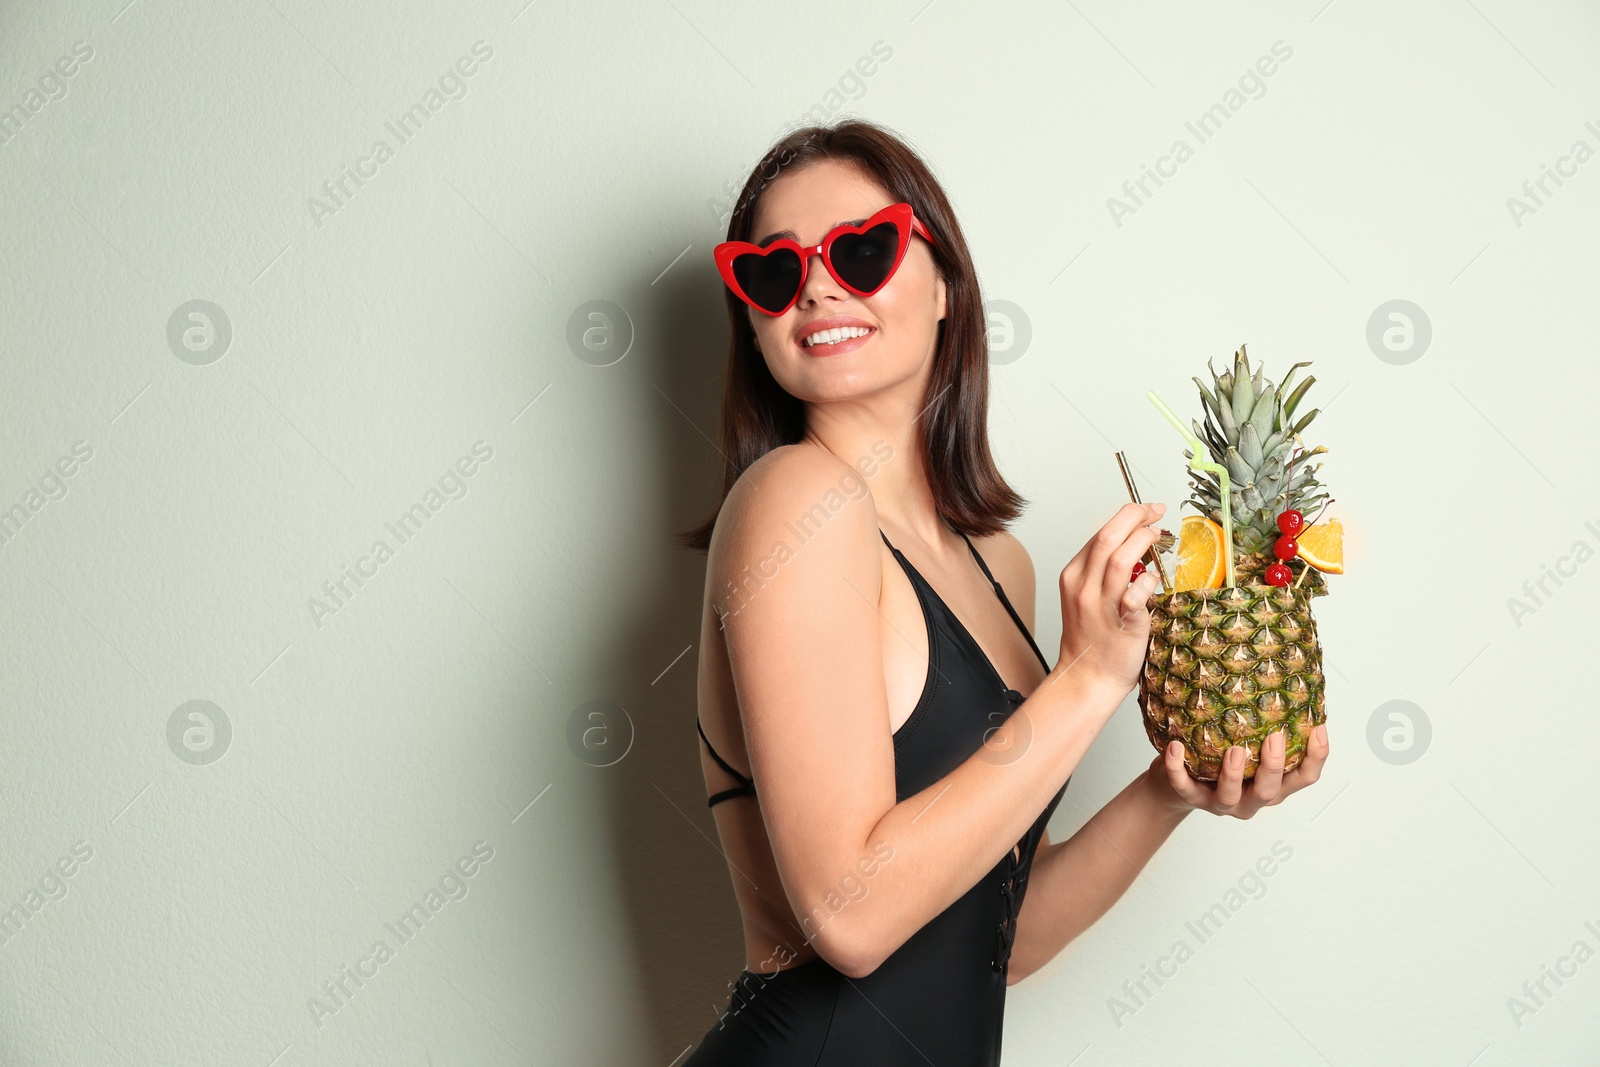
[{"x": 1228, "y": 666}]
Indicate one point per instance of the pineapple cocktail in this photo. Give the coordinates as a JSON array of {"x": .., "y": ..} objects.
[{"x": 1233, "y": 653}]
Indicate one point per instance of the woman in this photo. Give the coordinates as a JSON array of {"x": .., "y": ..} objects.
[{"x": 883, "y": 740}]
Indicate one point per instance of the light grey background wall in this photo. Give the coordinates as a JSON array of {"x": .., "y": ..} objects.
[{"x": 239, "y": 747}]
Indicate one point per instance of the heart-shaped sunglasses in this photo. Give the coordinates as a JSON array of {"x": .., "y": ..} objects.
[{"x": 861, "y": 258}]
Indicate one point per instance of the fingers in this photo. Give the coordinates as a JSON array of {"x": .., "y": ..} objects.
[
  {"x": 1268, "y": 785},
  {"x": 1135, "y": 598},
  {"x": 1119, "y": 565},
  {"x": 1193, "y": 793},
  {"x": 1111, "y": 536},
  {"x": 1317, "y": 748},
  {"x": 1310, "y": 768},
  {"x": 1230, "y": 782}
]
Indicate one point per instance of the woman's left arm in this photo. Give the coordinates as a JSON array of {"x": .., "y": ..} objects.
[{"x": 1074, "y": 882}]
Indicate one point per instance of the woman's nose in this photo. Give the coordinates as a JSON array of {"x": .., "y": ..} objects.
[{"x": 817, "y": 274}]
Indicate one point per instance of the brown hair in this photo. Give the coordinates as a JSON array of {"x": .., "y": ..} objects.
[{"x": 758, "y": 415}]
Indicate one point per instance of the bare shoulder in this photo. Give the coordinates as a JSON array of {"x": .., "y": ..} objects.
[
  {"x": 793, "y": 495},
  {"x": 1012, "y": 567}
]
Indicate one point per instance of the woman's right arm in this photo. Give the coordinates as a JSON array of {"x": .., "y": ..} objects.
[{"x": 803, "y": 632}]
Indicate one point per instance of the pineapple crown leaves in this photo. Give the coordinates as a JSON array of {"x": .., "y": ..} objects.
[{"x": 1250, "y": 427}]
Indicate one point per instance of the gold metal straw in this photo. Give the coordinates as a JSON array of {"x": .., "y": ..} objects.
[{"x": 1152, "y": 555}]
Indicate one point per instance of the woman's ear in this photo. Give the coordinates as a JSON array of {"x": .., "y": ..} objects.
[{"x": 939, "y": 289}]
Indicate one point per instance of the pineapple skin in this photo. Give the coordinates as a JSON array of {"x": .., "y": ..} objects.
[{"x": 1228, "y": 667}]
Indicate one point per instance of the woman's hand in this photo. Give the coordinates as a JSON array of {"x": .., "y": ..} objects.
[
  {"x": 1105, "y": 620},
  {"x": 1229, "y": 795}
]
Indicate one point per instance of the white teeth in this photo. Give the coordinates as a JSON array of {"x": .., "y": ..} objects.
[{"x": 833, "y": 337}]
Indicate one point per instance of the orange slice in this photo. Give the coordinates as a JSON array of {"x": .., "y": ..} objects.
[
  {"x": 1322, "y": 546},
  {"x": 1200, "y": 556}
]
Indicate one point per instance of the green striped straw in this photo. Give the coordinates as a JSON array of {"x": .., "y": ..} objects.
[{"x": 1200, "y": 460}]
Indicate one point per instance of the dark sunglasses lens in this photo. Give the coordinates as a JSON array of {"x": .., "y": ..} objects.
[
  {"x": 772, "y": 280},
  {"x": 864, "y": 260}
]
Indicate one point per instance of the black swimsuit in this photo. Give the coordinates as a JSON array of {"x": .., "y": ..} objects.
[{"x": 940, "y": 997}]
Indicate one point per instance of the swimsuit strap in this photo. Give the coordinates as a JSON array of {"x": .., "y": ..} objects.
[
  {"x": 1006, "y": 601},
  {"x": 997, "y": 588},
  {"x": 746, "y": 786}
]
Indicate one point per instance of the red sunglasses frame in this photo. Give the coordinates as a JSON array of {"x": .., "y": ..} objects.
[{"x": 902, "y": 215}]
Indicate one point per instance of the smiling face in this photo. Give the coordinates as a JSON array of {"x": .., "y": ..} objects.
[{"x": 900, "y": 321}]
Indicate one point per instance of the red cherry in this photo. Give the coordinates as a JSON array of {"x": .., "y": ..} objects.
[
  {"x": 1286, "y": 548},
  {"x": 1291, "y": 522},
  {"x": 1278, "y": 574},
  {"x": 1138, "y": 569}
]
